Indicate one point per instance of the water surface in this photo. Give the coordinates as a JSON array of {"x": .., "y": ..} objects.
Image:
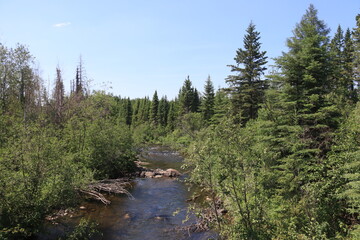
[{"x": 157, "y": 210}]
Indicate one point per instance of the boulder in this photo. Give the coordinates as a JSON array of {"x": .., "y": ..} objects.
[
  {"x": 159, "y": 171},
  {"x": 149, "y": 174},
  {"x": 142, "y": 174},
  {"x": 172, "y": 173}
]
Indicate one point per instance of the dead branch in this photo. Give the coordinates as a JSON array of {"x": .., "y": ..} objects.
[{"x": 111, "y": 186}]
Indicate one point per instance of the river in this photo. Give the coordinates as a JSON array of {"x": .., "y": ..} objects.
[{"x": 158, "y": 208}]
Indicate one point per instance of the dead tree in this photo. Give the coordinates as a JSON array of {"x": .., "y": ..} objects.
[{"x": 58, "y": 96}]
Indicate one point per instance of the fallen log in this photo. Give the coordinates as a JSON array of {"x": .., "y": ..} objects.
[{"x": 114, "y": 186}]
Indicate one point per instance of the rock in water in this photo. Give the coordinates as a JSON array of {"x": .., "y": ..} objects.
[
  {"x": 172, "y": 173},
  {"x": 149, "y": 174}
]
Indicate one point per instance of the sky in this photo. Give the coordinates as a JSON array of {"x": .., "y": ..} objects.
[{"x": 132, "y": 48}]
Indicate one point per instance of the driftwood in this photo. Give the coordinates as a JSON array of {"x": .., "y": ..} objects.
[{"x": 114, "y": 186}]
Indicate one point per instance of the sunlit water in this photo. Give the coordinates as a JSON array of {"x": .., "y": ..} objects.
[{"x": 157, "y": 211}]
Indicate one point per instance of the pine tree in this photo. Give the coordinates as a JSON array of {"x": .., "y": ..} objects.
[
  {"x": 305, "y": 70},
  {"x": 336, "y": 56},
  {"x": 221, "y": 106},
  {"x": 349, "y": 76},
  {"x": 163, "y": 111},
  {"x": 246, "y": 86},
  {"x": 171, "y": 116},
  {"x": 304, "y": 123},
  {"x": 154, "y": 117},
  {"x": 189, "y": 97},
  {"x": 208, "y": 101},
  {"x": 341, "y": 65},
  {"x": 356, "y": 41},
  {"x": 128, "y": 111},
  {"x": 196, "y": 102},
  {"x": 345, "y": 160}
]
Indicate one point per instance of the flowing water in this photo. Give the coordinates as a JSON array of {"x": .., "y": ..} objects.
[{"x": 158, "y": 209}]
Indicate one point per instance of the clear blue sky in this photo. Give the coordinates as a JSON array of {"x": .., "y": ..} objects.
[{"x": 137, "y": 47}]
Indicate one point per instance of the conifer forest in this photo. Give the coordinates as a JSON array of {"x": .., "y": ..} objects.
[{"x": 279, "y": 146}]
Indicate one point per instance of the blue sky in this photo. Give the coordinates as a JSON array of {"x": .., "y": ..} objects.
[{"x": 132, "y": 48}]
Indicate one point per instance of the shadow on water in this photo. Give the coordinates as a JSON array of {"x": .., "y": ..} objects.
[{"x": 151, "y": 214}]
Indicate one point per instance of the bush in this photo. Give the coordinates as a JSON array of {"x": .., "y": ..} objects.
[{"x": 110, "y": 149}]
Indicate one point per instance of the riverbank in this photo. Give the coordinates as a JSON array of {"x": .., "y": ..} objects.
[{"x": 158, "y": 209}]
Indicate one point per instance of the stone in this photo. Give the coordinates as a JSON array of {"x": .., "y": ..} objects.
[
  {"x": 82, "y": 208},
  {"x": 172, "y": 173},
  {"x": 149, "y": 174}
]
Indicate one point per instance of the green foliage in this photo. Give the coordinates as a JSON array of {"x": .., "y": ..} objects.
[
  {"x": 346, "y": 164},
  {"x": 289, "y": 170},
  {"x": 86, "y": 230},
  {"x": 142, "y": 134},
  {"x": 188, "y": 98},
  {"x": 208, "y": 102},
  {"x": 154, "y": 118},
  {"x": 110, "y": 150},
  {"x": 356, "y": 42},
  {"x": 163, "y": 111},
  {"x": 281, "y": 176},
  {"x": 37, "y": 176},
  {"x": 221, "y": 106},
  {"x": 247, "y": 87}
]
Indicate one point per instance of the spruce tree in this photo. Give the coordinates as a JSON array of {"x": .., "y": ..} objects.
[
  {"x": 221, "y": 106},
  {"x": 196, "y": 102},
  {"x": 306, "y": 121},
  {"x": 208, "y": 100},
  {"x": 171, "y": 118},
  {"x": 356, "y": 41},
  {"x": 189, "y": 97},
  {"x": 336, "y": 56},
  {"x": 349, "y": 61},
  {"x": 128, "y": 111},
  {"x": 163, "y": 111},
  {"x": 341, "y": 68},
  {"x": 304, "y": 70},
  {"x": 247, "y": 86},
  {"x": 154, "y": 109}
]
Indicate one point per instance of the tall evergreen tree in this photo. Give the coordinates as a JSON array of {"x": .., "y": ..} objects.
[
  {"x": 171, "y": 116},
  {"x": 356, "y": 41},
  {"x": 154, "y": 117},
  {"x": 189, "y": 97},
  {"x": 341, "y": 68},
  {"x": 307, "y": 116},
  {"x": 305, "y": 83},
  {"x": 247, "y": 86},
  {"x": 196, "y": 101},
  {"x": 221, "y": 106},
  {"x": 163, "y": 111},
  {"x": 208, "y": 101},
  {"x": 129, "y": 112},
  {"x": 349, "y": 75},
  {"x": 336, "y": 56}
]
